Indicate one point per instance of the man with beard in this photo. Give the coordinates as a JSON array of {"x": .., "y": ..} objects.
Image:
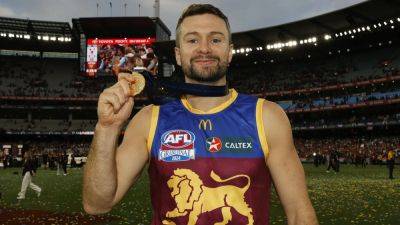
[{"x": 211, "y": 159}]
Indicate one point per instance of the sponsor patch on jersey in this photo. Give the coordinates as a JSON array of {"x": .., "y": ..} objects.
[
  {"x": 214, "y": 144},
  {"x": 177, "y": 145},
  {"x": 229, "y": 144}
]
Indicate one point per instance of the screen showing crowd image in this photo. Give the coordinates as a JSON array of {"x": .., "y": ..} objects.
[{"x": 107, "y": 57}]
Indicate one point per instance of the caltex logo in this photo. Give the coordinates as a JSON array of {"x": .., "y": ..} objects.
[
  {"x": 229, "y": 144},
  {"x": 214, "y": 144}
]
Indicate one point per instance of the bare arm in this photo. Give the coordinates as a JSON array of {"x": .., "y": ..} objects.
[
  {"x": 285, "y": 167},
  {"x": 99, "y": 178},
  {"x": 110, "y": 170}
]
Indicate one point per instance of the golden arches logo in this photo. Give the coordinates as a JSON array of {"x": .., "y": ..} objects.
[
  {"x": 204, "y": 124},
  {"x": 193, "y": 198}
]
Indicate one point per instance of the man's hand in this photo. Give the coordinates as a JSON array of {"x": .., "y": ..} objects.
[{"x": 115, "y": 104}]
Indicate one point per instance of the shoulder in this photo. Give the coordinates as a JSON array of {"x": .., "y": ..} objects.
[
  {"x": 277, "y": 126},
  {"x": 145, "y": 113},
  {"x": 273, "y": 113},
  {"x": 141, "y": 120},
  {"x": 146, "y": 110}
]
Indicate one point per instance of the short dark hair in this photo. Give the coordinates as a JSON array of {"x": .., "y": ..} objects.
[{"x": 200, "y": 9}]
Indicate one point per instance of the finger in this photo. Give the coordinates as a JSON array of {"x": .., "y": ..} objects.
[
  {"x": 119, "y": 92},
  {"x": 127, "y": 107},
  {"x": 111, "y": 99},
  {"x": 131, "y": 80},
  {"x": 125, "y": 85},
  {"x": 126, "y": 76},
  {"x": 116, "y": 103},
  {"x": 118, "y": 87}
]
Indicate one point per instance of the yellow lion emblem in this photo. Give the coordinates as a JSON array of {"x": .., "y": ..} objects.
[{"x": 193, "y": 198}]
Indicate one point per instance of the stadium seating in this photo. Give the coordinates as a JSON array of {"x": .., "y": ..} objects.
[
  {"x": 339, "y": 68},
  {"x": 30, "y": 76}
]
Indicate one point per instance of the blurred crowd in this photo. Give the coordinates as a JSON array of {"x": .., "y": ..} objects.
[
  {"x": 272, "y": 77},
  {"x": 22, "y": 76},
  {"x": 35, "y": 77},
  {"x": 371, "y": 150},
  {"x": 382, "y": 119},
  {"x": 47, "y": 125},
  {"x": 264, "y": 80},
  {"x": 339, "y": 100},
  {"x": 47, "y": 154},
  {"x": 297, "y": 122}
]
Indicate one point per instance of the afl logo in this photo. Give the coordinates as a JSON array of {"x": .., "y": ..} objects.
[
  {"x": 177, "y": 145},
  {"x": 177, "y": 139}
]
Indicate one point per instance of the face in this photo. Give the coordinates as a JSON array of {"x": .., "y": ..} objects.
[
  {"x": 138, "y": 61},
  {"x": 131, "y": 60},
  {"x": 204, "y": 52}
]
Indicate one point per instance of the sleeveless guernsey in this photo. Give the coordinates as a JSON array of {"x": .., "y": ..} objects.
[{"x": 209, "y": 168}]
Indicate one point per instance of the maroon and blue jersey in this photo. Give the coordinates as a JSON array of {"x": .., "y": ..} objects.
[{"x": 209, "y": 167}]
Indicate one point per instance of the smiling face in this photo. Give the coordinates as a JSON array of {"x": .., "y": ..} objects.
[{"x": 204, "y": 50}]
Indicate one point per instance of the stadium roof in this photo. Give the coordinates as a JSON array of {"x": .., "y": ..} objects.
[
  {"x": 34, "y": 27},
  {"x": 36, "y": 35},
  {"x": 358, "y": 15},
  {"x": 119, "y": 26},
  {"x": 354, "y": 16}
]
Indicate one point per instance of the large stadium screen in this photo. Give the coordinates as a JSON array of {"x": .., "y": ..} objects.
[{"x": 107, "y": 57}]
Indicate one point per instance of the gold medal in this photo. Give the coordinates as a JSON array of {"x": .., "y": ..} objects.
[{"x": 137, "y": 85}]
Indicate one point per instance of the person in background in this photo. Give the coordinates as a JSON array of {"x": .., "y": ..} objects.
[
  {"x": 58, "y": 161},
  {"x": 330, "y": 161},
  {"x": 152, "y": 63},
  {"x": 124, "y": 59},
  {"x": 390, "y": 162},
  {"x": 29, "y": 171},
  {"x": 73, "y": 162},
  {"x": 336, "y": 161},
  {"x": 45, "y": 157},
  {"x": 64, "y": 162}
]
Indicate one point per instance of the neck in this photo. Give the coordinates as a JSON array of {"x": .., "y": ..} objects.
[
  {"x": 206, "y": 103},
  {"x": 220, "y": 82}
]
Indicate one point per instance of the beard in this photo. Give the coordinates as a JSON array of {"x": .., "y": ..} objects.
[{"x": 205, "y": 74}]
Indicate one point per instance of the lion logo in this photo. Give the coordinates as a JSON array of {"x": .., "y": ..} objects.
[{"x": 193, "y": 198}]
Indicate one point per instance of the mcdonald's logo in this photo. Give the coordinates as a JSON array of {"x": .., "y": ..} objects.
[{"x": 205, "y": 124}]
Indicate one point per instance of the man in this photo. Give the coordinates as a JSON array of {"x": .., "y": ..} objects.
[
  {"x": 28, "y": 171},
  {"x": 45, "y": 157},
  {"x": 331, "y": 161},
  {"x": 336, "y": 161},
  {"x": 124, "y": 59},
  {"x": 390, "y": 162},
  {"x": 64, "y": 162},
  {"x": 211, "y": 159}
]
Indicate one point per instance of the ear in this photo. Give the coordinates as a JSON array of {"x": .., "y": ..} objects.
[
  {"x": 230, "y": 54},
  {"x": 178, "y": 56}
]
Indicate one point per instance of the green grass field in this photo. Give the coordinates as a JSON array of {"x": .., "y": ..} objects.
[{"x": 353, "y": 196}]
